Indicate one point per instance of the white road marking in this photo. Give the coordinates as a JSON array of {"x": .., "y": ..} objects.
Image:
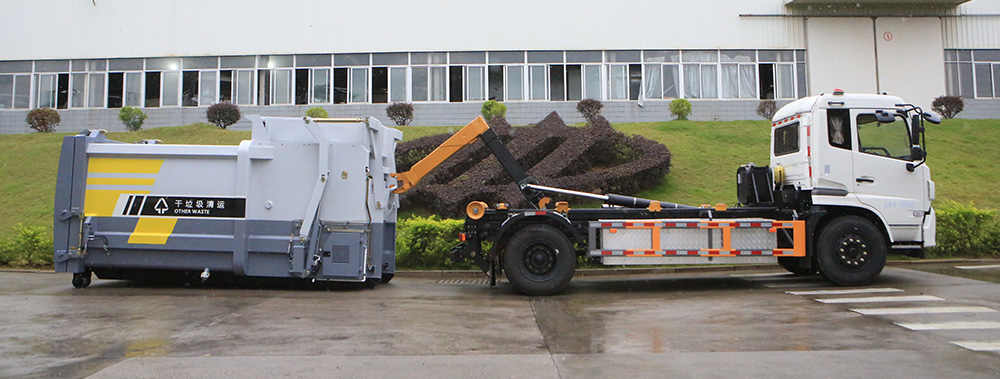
[
  {"x": 976, "y": 267},
  {"x": 798, "y": 285},
  {"x": 767, "y": 274},
  {"x": 919, "y": 310},
  {"x": 843, "y": 292},
  {"x": 952, "y": 325},
  {"x": 879, "y": 299},
  {"x": 979, "y": 345}
]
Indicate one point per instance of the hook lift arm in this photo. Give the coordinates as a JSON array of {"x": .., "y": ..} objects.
[{"x": 478, "y": 128}]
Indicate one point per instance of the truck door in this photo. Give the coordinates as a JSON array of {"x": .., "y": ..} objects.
[
  {"x": 834, "y": 157},
  {"x": 881, "y": 178}
]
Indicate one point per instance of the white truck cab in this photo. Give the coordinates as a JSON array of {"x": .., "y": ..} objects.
[{"x": 860, "y": 155}]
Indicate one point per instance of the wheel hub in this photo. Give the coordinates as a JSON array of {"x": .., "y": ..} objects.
[
  {"x": 852, "y": 251},
  {"x": 540, "y": 259}
]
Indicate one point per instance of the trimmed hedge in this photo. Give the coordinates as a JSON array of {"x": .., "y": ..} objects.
[
  {"x": 426, "y": 242},
  {"x": 966, "y": 231},
  {"x": 595, "y": 158}
]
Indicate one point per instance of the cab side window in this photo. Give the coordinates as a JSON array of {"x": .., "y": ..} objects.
[
  {"x": 786, "y": 139},
  {"x": 883, "y": 139},
  {"x": 838, "y": 125}
]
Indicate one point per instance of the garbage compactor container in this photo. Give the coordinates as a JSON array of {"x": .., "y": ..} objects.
[{"x": 303, "y": 198}]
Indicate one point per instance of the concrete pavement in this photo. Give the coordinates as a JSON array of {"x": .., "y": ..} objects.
[{"x": 697, "y": 324}]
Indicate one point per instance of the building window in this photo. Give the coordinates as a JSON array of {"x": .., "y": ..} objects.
[
  {"x": 574, "y": 82},
  {"x": 244, "y": 87},
  {"x": 152, "y": 99},
  {"x": 617, "y": 82},
  {"x": 959, "y": 72},
  {"x": 397, "y": 84},
  {"x": 494, "y": 82},
  {"x": 15, "y": 91},
  {"x": 536, "y": 82},
  {"x": 515, "y": 83},
  {"x": 171, "y": 94},
  {"x": 380, "y": 85},
  {"x": 592, "y": 81},
  {"x": 208, "y": 88},
  {"x": 739, "y": 79},
  {"x": 419, "y": 83},
  {"x": 320, "y": 90},
  {"x": 359, "y": 85}
]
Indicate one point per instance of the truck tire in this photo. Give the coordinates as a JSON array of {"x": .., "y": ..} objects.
[
  {"x": 81, "y": 280},
  {"x": 851, "y": 251},
  {"x": 539, "y": 260},
  {"x": 794, "y": 265}
]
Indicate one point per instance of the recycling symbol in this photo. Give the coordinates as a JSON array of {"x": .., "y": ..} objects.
[{"x": 161, "y": 206}]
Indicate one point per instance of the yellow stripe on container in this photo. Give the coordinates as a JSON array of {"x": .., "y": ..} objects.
[
  {"x": 124, "y": 165},
  {"x": 152, "y": 230},
  {"x": 101, "y": 203},
  {"x": 120, "y": 181}
]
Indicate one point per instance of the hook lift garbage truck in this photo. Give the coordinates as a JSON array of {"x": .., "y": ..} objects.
[{"x": 847, "y": 184}]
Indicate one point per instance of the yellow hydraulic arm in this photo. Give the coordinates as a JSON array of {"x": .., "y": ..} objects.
[{"x": 464, "y": 137}]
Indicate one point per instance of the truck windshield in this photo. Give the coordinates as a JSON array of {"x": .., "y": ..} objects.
[{"x": 884, "y": 139}]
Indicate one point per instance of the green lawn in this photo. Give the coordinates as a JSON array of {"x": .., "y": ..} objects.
[{"x": 705, "y": 158}]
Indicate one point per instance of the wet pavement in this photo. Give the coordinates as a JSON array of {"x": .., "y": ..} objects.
[{"x": 701, "y": 324}]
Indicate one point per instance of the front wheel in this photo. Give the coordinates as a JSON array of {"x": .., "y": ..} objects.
[
  {"x": 851, "y": 251},
  {"x": 539, "y": 260}
]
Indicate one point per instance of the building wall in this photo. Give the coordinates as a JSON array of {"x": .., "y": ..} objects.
[
  {"x": 841, "y": 54},
  {"x": 909, "y": 60},
  {"x": 144, "y": 28}
]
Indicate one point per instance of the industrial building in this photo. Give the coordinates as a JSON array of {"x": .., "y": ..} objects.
[{"x": 87, "y": 58}]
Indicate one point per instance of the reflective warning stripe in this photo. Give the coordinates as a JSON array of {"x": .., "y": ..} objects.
[{"x": 703, "y": 253}]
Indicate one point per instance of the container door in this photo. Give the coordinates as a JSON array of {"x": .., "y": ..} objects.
[{"x": 343, "y": 256}]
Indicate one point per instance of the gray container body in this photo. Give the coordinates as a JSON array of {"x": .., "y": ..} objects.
[{"x": 303, "y": 198}]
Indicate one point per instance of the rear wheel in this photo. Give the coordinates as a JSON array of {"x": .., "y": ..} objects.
[
  {"x": 851, "y": 251},
  {"x": 539, "y": 260}
]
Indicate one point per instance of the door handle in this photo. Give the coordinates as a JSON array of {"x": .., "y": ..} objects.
[{"x": 864, "y": 180}]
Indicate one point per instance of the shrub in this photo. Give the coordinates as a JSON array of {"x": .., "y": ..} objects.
[
  {"x": 493, "y": 108},
  {"x": 400, "y": 113},
  {"x": 43, "y": 120},
  {"x": 589, "y": 108},
  {"x": 766, "y": 109},
  {"x": 426, "y": 242},
  {"x": 132, "y": 118},
  {"x": 964, "y": 230},
  {"x": 948, "y": 106},
  {"x": 592, "y": 159},
  {"x": 29, "y": 247},
  {"x": 317, "y": 112},
  {"x": 6, "y": 253},
  {"x": 680, "y": 108},
  {"x": 223, "y": 114}
]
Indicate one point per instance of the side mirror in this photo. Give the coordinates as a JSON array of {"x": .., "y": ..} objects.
[
  {"x": 884, "y": 117},
  {"x": 932, "y": 118},
  {"x": 915, "y": 130}
]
